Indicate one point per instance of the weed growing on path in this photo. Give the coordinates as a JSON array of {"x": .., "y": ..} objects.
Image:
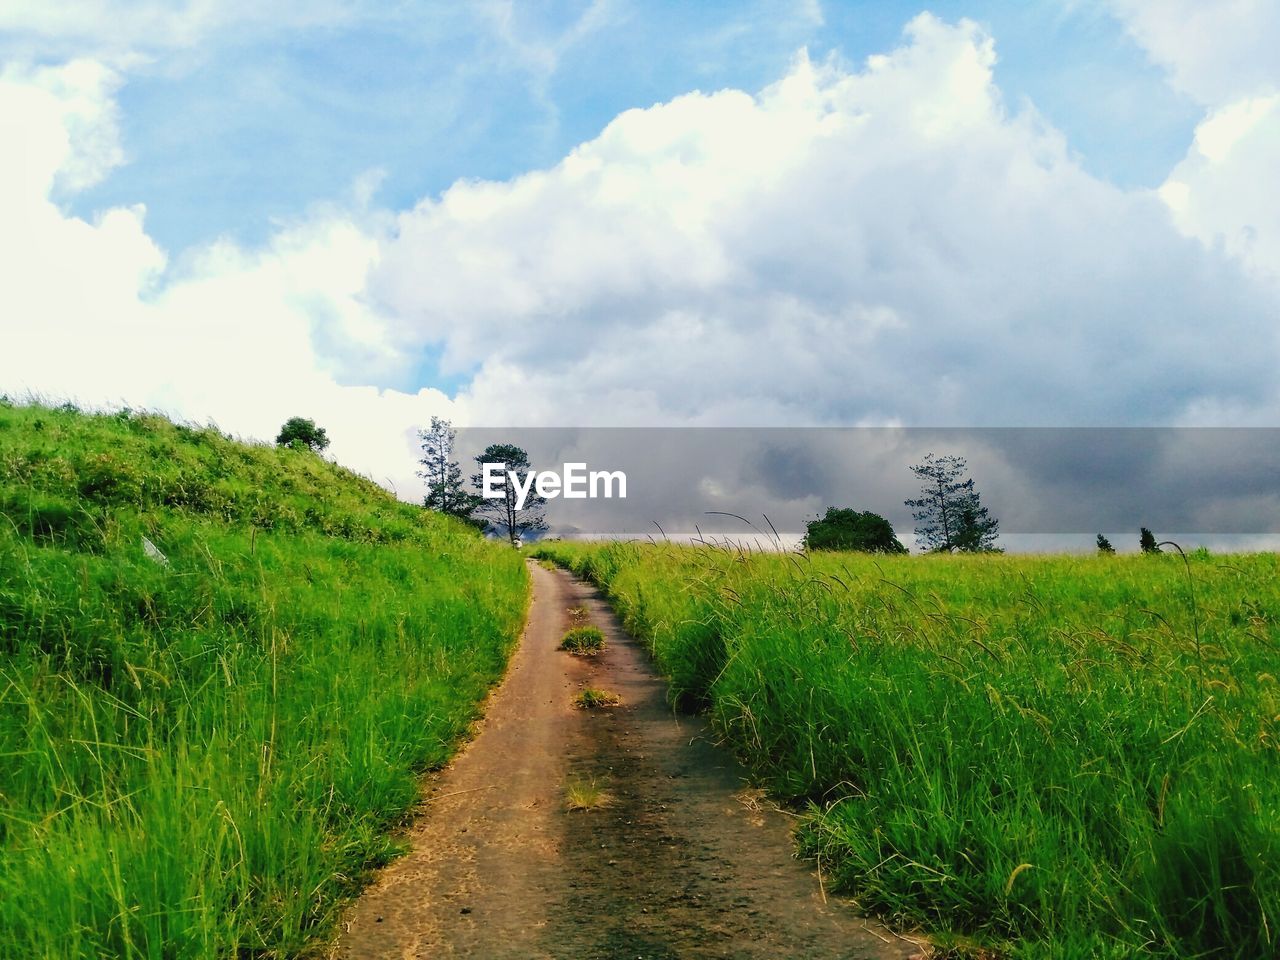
[
  {"x": 591, "y": 698},
  {"x": 583, "y": 641},
  {"x": 580, "y": 795}
]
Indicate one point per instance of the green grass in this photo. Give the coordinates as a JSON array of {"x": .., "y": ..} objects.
[
  {"x": 582, "y": 795},
  {"x": 203, "y": 758},
  {"x": 1052, "y": 757},
  {"x": 585, "y": 641},
  {"x": 591, "y": 699}
]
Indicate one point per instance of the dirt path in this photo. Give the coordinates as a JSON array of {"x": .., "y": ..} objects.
[{"x": 684, "y": 863}]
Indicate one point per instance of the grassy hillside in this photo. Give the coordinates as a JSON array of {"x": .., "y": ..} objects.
[
  {"x": 200, "y": 755},
  {"x": 1055, "y": 757}
]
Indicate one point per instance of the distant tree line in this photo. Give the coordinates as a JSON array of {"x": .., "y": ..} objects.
[
  {"x": 949, "y": 516},
  {"x": 948, "y": 513},
  {"x": 447, "y": 491},
  {"x": 1146, "y": 543}
]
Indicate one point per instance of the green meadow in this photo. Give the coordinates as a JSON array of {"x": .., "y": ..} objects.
[
  {"x": 205, "y": 749},
  {"x": 1042, "y": 757},
  {"x": 224, "y": 666}
]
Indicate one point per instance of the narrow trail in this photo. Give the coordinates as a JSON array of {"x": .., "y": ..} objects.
[{"x": 686, "y": 863}]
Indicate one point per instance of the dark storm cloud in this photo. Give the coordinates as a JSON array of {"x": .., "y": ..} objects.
[{"x": 1036, "y": 480}]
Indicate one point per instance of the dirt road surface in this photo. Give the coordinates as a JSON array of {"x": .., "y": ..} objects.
[{"x": 686, "y": 862}]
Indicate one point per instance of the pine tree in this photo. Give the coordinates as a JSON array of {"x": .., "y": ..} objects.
[
  {"x": 1104, "y": 545},
  {"x": 949, "y": 513},
  {"x": 443, "y": 475},
  {"x": 1147, "y": 541}
]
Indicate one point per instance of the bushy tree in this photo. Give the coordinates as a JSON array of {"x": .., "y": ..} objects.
[
  {"x": 1147, "y": 541},
  {"x": 446, "y": 492},
  {"x": 949, "y": 513},
  {"x": 302, "y": 433},
  {"x": 1104, "y": 545},
  {"x": 502, "y": 515},
  {"x": 977, "y": 529},
  {"x": 845, "y": 529}
]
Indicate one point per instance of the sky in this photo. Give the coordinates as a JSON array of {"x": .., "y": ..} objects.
[{"x": 622, "y": 213}]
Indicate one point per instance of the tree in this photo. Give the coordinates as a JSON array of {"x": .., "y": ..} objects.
[
  {"x": 1147, "y": 541},
  {"x": 977, "y": 529},
  {"x": 845, "y": 529},
  {"x": 503, "y": 514},
  {"x": 445, "y": 491},
  {"x": 1104, "y": 545},
  {"x": 302, "y": 433},
  {"x": 949, "y": 513}
]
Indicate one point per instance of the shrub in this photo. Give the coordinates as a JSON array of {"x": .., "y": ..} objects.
[{"x": 843, "y": 529}]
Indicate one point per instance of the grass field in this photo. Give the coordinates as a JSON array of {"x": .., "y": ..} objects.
[
  {"x": 1044, "y": 757},
  {"x": 201, "y": 755}
]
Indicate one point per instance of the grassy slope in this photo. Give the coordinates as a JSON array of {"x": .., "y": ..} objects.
[
  {"x": 951, "y": 720},
  {"x": 201, "y": 759}
]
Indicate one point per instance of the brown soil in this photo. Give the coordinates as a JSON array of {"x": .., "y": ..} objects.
[{"x": 686, "y": 861}]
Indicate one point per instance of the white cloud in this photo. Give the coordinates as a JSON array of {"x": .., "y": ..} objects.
[
  {"x": 92, "y": 311},
  {"x": 890, "y": 244},
  {"x": 66, "y": 119},
  {"x": 1224, "y": 55},
  {"x": 540, "y": 54},
  {"x": 1214, "y": 52},
  {"x": 1224, "y": 190},
  {"x": 885, "y": 245}
]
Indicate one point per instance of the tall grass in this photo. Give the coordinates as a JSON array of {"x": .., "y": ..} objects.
[
  {"x": 1050, "y": 756},
  {"x": 202, "y": 756}
]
